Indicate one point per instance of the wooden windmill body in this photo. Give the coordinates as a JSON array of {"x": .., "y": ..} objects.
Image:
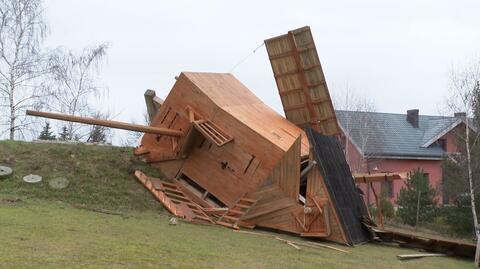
[{"x": 229, "y": 159}]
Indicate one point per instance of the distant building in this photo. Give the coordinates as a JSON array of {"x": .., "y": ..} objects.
[{"x": 387, "y": 142}]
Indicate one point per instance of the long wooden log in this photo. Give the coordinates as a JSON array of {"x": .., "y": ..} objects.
[{"x": 107, "y": 123}]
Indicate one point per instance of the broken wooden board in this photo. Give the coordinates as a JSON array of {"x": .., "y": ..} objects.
[
  {"x": 171, "y": 196},
  {"x": 301, "y": 82},
  {"x": 378, "y": 177},
  {"x": 404, "y": 257},
  {"x": 427, "y": 242}
]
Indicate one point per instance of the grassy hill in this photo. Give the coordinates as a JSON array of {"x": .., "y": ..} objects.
[
  {"x": 45, "y": 228},
  {"x": 99, "y": 176}
]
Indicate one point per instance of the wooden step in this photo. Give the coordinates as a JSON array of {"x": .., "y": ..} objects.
[
  {"x": 230, "y": 217},
  {"x": 172, "y": 190},
  {"x": 197, "y": 211},
  {"x": 193, "y": 205},
  {"x": 247, "y": 200},
  {"x": 242, "y": 206},
  {"x": 212, "y": 132},
  {"x": 168, "y": 184},
  {"x": 177, "y": 202},
  {"x": 203, "y": 218},
  {"x": 171, "y": 195},
  {"x": 235, "y": 212}
]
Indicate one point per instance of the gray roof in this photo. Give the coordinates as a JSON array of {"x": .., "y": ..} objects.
[{"x": 390, "y": 135}]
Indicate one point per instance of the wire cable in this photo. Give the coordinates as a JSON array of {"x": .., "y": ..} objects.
[{"x": 245, "y": 58}]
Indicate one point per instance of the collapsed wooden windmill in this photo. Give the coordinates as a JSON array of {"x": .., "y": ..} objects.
[{"x": 229, "y": 159}]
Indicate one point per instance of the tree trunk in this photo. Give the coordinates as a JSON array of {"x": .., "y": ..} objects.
[
  {"x": 418, "y": 207},
  {"x": 472, "y": 194},
  {"x": 12, "y": 113}
]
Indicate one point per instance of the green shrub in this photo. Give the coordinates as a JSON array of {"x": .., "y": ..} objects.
[
  {"x": 385, "y": 205},
  {"x": 458, "y": 217},
  {"x": 407, "y": 200}
]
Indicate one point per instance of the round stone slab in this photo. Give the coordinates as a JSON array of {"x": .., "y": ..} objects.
[
  {"x": 32, "y": 178},
  {"x": 58, "y": 183},
  {"x": 5, "y": 171}
]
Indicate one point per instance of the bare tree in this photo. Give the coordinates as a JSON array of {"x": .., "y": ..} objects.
[
  {"x": 132, "y": 138},
  {"x": 465, "y": 97},
  {"x": 75, "y": 83},
  {"x": 22, "y": 31},
  {"x": 359, "y": 123}
]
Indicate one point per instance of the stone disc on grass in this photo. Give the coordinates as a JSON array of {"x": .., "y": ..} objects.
[
  {"x": 32, "y": 178},
  {"x": 58, "y": 183},
  {"x": 5, "y": 171}
]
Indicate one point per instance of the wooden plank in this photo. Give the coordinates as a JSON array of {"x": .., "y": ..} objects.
[
  {"x": 247, "y": 200},
  {"x": 270, "y": 207},
  {"x": 307, "y": 244},
  {"x": 420, "y": 255},
  {"x": 288, "y": 242},
  {"x": 379, "y": 177}
]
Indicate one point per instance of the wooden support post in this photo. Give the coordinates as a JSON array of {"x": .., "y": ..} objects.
[{"x": 379, "y": 209}]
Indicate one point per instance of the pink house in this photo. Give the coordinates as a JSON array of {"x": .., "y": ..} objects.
[{"x": 386, "y": 142}]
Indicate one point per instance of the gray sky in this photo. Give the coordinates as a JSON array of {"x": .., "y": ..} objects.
[{"x": 398, "y": 53}]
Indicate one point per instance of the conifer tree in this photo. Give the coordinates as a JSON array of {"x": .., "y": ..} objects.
[
  {"x": 46, "y": 133},
  {"x": 417, "y": 196},
  {"x": 63, "y": 136}
]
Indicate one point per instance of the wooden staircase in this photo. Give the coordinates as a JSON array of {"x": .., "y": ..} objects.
[
  {"x": 174, "y": 199},
  {"x": 232, "y": 218},
  {"x": 212, "y": 132}
]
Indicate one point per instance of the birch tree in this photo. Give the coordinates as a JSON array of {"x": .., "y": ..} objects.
[
  {"x": 22, "y": 31},
  {"x": 75, "y": 83},
  {"x": 465, "y": 97}
]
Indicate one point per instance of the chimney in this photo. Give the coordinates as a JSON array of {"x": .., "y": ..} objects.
[
  {"x": 460, "y": 115},
  {"x": 412, "y": 117}
]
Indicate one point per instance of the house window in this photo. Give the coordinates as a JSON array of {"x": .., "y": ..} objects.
[
  {"x": 427, "y": 176},
  {"x": 442, "y": 143}
]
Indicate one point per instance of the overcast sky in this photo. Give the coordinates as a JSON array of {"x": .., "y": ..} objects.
[{"x": 398, "y": 53}]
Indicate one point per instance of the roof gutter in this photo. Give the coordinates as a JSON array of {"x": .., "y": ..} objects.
[{"x": 404, "y": 157}]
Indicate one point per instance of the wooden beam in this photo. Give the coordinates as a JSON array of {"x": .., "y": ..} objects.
[
  {"x": 420, "y": 255},
  {"x": 379, "y": 177},
  {"x": 107, "y": 123}
]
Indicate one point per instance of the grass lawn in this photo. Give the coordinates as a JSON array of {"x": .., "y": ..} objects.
[
  {"x": 46, "y": 234},
  {"x": 45, "y": 230}
]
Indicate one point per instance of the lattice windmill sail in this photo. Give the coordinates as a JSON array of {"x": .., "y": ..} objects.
[{"x": 301, "y": 82}]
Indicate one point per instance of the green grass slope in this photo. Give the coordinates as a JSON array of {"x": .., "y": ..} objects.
[
  {"x": 39, "y": 234},
  {"x": 44, "y": 230},
  {"x": 99, "y": 176}
]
